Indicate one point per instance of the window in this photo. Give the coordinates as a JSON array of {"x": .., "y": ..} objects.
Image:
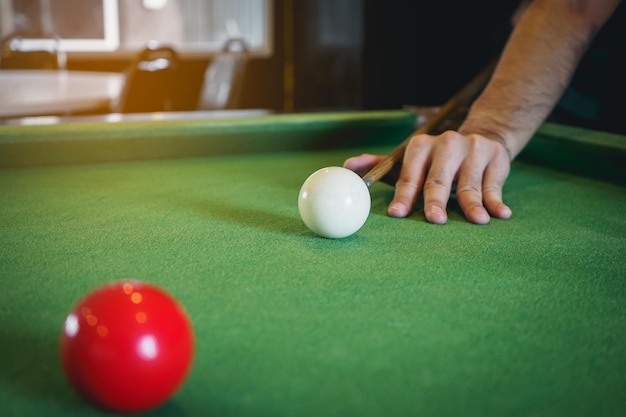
[
  {"x": 92, "y": 25},
  {"x": 195, "y": 26},
  {"x": 209, "y": 23}
]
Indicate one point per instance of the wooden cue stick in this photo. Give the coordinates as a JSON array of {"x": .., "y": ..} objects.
[{"x": 462, "y": 97}]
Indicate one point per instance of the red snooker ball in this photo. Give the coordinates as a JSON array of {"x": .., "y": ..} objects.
[{"x": 127, "y": 346}]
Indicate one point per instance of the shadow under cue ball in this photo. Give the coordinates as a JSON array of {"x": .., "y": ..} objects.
[
  {"x": 334, "y": 202},
  {"x": 127, "y": 346}
]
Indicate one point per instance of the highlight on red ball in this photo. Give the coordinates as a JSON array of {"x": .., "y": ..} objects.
[{"x": 127, "y": 346}]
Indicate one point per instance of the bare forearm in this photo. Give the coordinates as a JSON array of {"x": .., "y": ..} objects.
[{"x": 536, "y": 66}]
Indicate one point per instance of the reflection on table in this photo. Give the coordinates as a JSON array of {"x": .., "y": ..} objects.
[{"x": 45, "y": 92}]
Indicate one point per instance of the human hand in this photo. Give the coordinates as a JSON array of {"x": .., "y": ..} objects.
[{"x": 432, "y": 164}]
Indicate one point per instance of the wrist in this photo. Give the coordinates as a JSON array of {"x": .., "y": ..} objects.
[{"x": 493, "y": 119}]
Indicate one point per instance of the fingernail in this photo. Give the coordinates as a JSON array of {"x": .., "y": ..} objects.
[
  {"x": 397, "y": 210},
  {"x": 505, "y": 212},
  {"x": 435, "y": 214},
  {"x": 479, "y": 215}
]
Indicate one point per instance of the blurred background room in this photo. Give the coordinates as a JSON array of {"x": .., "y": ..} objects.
[{"x": 138, "y": 56}]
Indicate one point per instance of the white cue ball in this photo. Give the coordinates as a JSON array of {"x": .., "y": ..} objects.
[{"x": 334, "y": 202}]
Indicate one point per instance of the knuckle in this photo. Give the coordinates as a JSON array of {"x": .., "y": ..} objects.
[
  {"x": 480, "y": 145},
  {"x": 492, "y": 189},
  {"x": 406, "y": 184},
  {"x": 448, "y": 138},
  {"x": 417, "y": 141},
  {"x": 471, "y": 188},
  {"x": 419, "y": 137},
  {"x": 434, "y": 183}
]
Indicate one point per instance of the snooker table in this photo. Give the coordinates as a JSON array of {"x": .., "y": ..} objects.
[{"x": 525, "y": 316}]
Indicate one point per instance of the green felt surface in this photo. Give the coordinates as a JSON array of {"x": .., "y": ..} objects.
[{"x": 519, "y": 317}]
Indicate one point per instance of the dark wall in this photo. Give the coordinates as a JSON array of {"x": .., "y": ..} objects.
[
  {"x": 374, "y": 54},
  {"x": 422, "y": 52},
  {"x": 328, "y": 49}
]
